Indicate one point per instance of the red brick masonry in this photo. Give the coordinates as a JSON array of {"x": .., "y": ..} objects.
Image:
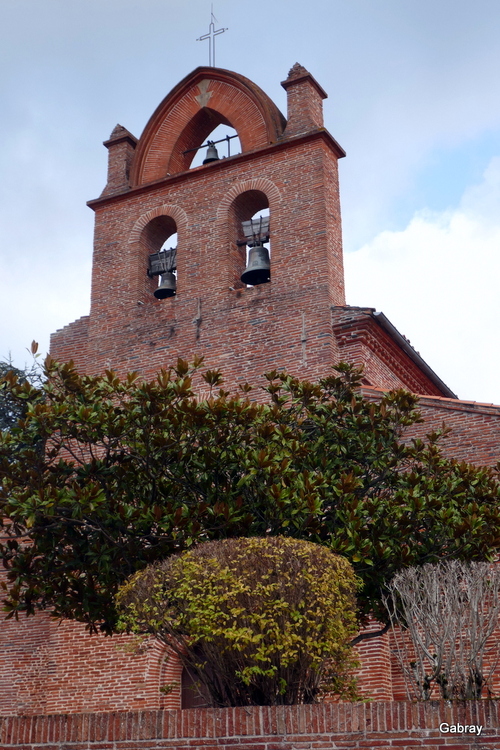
[{"x": 341, "y": 726}]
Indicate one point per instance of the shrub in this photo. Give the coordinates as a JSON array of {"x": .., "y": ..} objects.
[
  {"x": 259, "y": 621},
  {"x": 445, "y": 617}
]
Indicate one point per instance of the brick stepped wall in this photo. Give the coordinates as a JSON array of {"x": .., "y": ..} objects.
[{"x": 339, "y": 726}]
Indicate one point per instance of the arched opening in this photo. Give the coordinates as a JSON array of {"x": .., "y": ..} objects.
[
  {"x": 226, "y": 141},
  {"x": 207, "y": 124},
  {"x": 260, "y": 229},
  {"x": 159, "y": 239},
  {"x": 251, "y": 204}
]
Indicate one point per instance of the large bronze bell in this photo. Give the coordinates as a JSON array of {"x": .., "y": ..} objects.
[
  {"x": 212, "y": 153},
  {"x": 258, "y": 270},
  {"x": 168, "y": 286}
]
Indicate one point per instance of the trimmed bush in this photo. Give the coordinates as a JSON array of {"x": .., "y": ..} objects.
[{"x": 259, "y": 621}]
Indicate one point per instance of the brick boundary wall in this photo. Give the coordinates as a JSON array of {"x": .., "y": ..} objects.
[{"x": 341, "y": 726}]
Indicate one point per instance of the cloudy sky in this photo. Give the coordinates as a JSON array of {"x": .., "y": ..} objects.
[{"x": 413, "y": 99}]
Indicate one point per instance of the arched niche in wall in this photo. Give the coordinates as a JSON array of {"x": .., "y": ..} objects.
[
  {"x": 157, "y": 235},
  {"x": 202, "y": 101}
]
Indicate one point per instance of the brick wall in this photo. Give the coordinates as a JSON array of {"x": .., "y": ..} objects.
[
  {"x": 246, "y": 331},
  {"x": 406, "y": 726},
  {"x": 47, "y": 666},
  {"x": 474, "y": 428}
]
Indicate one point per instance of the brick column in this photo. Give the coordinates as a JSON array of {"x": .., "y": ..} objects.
[{"x": 305, "y": 101}]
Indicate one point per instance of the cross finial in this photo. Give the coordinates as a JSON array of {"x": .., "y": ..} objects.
[{"x": 212, "y": 33}]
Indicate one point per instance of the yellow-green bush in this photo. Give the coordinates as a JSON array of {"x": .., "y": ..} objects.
[{"x": 259, "y": 621}]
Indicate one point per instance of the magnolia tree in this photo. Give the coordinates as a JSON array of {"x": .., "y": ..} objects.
[
  {"x": 262, "y": 621},
  {"x": 445, "y": 617},
  {"x": 102, "y": 476}
]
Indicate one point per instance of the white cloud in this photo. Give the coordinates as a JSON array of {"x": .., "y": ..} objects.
[{"x": 437, "y": 281}]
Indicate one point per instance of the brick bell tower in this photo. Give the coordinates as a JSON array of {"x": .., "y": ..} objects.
[{"x": 288, "y": 166}]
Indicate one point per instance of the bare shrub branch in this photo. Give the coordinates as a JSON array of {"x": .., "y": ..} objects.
[{"x": 443, "y": 619}]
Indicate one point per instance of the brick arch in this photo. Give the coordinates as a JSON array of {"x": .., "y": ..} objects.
[
  {"x": 262, "y": 184},
  {"x": 169, "y": 676},
  {"x": 168, "y": 209},
  {"x": 203, "y": 100}
]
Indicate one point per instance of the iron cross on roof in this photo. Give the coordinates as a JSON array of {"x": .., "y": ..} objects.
[{"x": 212, "y": 33}]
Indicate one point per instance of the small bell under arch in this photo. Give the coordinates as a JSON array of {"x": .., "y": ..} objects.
[
  {"x": 168, "y": 286},
  {"x": 212, "y": 153}
]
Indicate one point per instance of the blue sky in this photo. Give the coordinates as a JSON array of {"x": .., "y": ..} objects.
[
  {"x": 444, "y": 173},
  {"x": 413, "y": 99}
]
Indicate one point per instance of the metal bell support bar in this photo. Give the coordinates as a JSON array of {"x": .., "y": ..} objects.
[
  {"x": 256, "y": 230},
  {"x": 226, "y": 138}
]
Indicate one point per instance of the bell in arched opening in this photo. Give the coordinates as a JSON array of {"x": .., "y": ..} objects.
[
  {"x": 163, "y": 264},
  {"x": 258, "y": 269},
  {"x": 167, "y": 287},
  {"x": 212, "y": 153}
]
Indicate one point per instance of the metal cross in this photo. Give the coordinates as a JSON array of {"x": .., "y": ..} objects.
[{"x": 212, "y": 33}]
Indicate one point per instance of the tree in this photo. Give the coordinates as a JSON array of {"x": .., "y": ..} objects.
[
  {"x": 12, "y": 409},
  {"x": 262, "y": 621},
  {"x": 444, "y": 617},
  {"x": 104, "y": 476}
]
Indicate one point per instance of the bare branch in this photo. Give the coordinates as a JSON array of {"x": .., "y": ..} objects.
[{"x": 443, "y": 618}]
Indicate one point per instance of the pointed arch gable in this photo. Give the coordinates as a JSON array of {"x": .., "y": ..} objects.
[{"x": 203, "y": 100}]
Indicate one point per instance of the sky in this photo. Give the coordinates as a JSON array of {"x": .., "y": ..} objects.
[{"x": 414, "y": 100}]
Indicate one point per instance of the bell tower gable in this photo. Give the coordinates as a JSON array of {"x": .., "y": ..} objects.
[
  {"x": 238, "y": 260},
  {"x": 204, "y": 99}
]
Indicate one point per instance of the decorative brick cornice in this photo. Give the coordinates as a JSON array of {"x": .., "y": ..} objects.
[
  {"x": 201, "y": 172},
  {"x": 354, "y": 326}
]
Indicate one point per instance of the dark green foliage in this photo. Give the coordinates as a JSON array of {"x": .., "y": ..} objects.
[
  {"x": 11, "y": 409},
  {"x": 12, "y": 404},
  {"x": 261, "y": 621},
  {"x": 134, "y": 472}
]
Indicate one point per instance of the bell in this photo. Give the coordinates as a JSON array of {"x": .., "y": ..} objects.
[
  {"x": 212, "y": 154},
  {"x": 168, "y": 286},
  {"x": 258, "y": 270}
]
